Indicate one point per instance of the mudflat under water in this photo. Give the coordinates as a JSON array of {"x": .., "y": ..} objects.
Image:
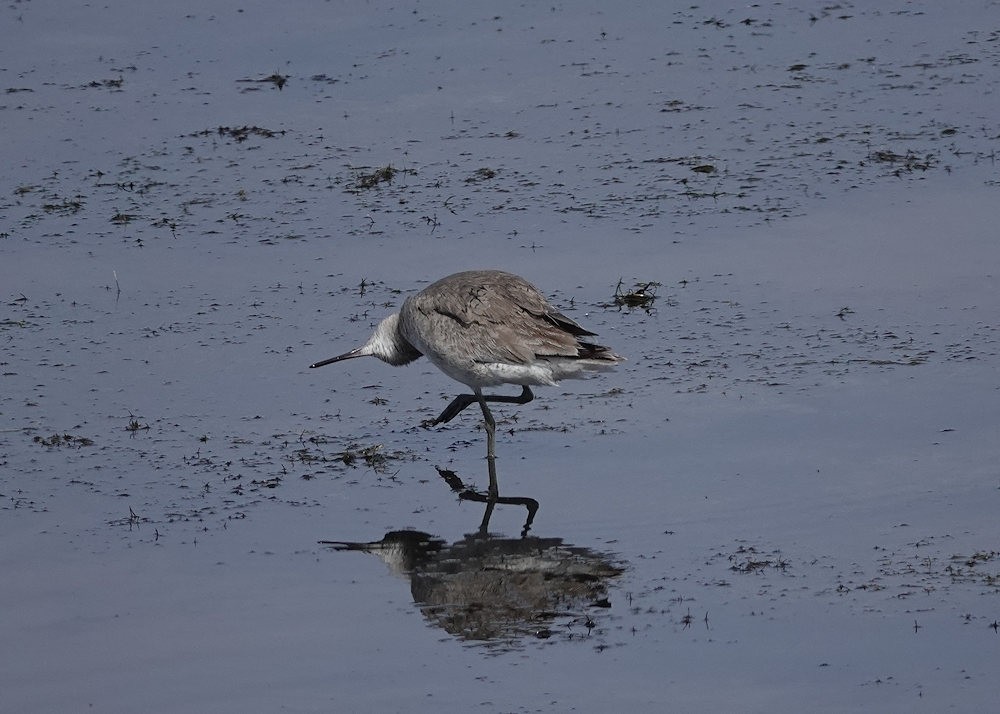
[{"x": 785, "y": 500}]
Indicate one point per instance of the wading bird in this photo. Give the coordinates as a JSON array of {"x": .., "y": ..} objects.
[{"x": 485, "y": 328}]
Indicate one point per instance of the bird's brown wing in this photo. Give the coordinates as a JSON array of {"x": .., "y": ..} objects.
[{"x": 492, "y": 317}]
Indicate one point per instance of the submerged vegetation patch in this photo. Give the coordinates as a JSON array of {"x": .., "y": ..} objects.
[
  {"x": 59, "y": 440},
  {"x": 371, "y": 179},
  {"x": 239, "y": 134},
  {"x": 641, "y": 295}
]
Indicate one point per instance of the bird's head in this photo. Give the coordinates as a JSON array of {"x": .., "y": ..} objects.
[{"x": 386, "y": 343}]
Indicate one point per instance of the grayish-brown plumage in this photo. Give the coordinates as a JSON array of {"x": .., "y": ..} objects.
[{"x": 484, "y": 328}]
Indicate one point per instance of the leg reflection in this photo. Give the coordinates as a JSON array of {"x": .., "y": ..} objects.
[{"x": 468, "y": 494}]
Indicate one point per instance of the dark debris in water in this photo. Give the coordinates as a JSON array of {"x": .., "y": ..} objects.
[
  {"x": 59, "y": 440},
  {"x": 64, "y": 207},
  {"x": 240, "y": 133},
  {"x": 371, "y": 179},
  {"x": 749, "y": 559},
  {"x": 481, "y": 174},
  {"x": 278, "y": 80},
  {"x": 903, "y": 163},
  {"x": 920, "y": 568},
  {"x": 133, "y": 520},
  {"x": 223, "y": 479},
  {"x": 373, "y": 456},
  {"x": 640, "y": 296},
  {"x": 114, "y": 83}
]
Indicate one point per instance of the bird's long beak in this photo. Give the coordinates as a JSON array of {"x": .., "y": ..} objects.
[{"x": 356, "y": 352}]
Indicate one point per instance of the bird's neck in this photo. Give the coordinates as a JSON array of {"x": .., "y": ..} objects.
[{"x": 389, "y": 345}]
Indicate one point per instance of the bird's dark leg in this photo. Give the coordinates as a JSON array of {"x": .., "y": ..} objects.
[
  {"x": 452, "y": 410},
  {"x": 491, "y": 458},
  {"x": 463, "y": 400}
]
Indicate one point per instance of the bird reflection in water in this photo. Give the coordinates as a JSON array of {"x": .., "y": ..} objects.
[{"x": 499, "y": 591}]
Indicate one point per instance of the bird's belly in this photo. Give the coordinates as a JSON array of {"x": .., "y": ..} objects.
[
  {"x": 492, "y": 374},
  {"x": 495, "y": 373}
]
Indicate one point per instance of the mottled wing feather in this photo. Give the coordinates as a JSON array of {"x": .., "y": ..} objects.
[
  {"x": 491, "y": 317},
  {"x": 565, "y": 323}
]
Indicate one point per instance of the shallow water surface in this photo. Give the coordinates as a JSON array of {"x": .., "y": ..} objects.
[{"x": 784, "y": 500}]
